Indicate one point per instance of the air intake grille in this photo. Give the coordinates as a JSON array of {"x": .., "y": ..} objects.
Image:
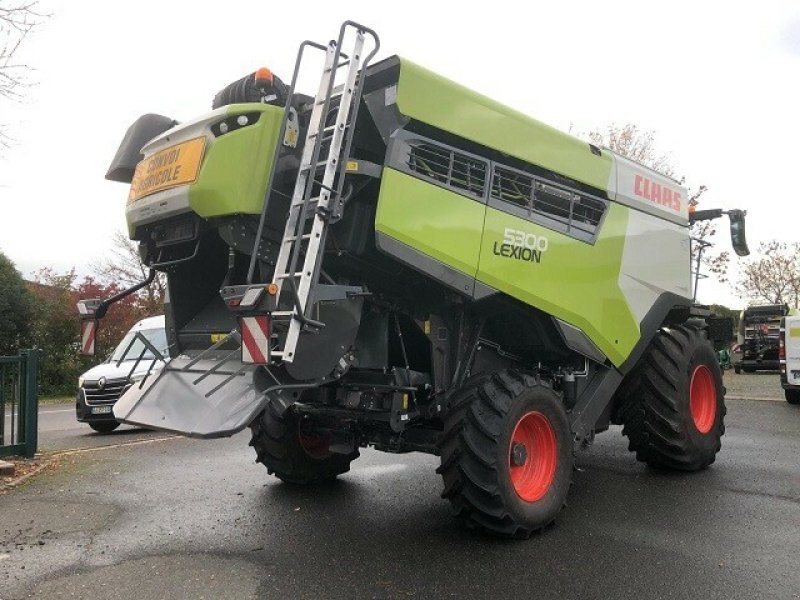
[
  {"x": 110, "y": 392},
  {"x": 462, "y": 173},
  {"x": 574, "y": 210}
]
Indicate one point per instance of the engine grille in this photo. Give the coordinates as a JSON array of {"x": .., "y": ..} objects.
[{"x": 108, "y": 394}]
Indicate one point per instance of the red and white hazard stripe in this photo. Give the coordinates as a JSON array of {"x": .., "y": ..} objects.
[
  {"x": 88, "y": 335},
  {"x": 255, "y": 339}
]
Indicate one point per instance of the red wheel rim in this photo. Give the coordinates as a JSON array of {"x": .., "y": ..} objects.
[
  {"x": 533, "y": 455},
  {"x": 315, "y": 445},
  {"x": 703, "y": 398}
]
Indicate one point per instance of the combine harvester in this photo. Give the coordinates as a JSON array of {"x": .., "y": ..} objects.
[{"x": 399, "y": 262}]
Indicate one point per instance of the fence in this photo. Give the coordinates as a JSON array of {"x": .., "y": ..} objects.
[{"x": 19, "y": 403}]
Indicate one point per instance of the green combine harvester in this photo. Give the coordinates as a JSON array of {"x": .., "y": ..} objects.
[{"x": 399, "y": 262}]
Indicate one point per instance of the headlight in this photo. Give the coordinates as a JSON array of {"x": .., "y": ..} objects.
[{"x": 80, "y": 381}]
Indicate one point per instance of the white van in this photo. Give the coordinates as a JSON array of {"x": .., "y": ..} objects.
[
  {"x": 101, "y": 386},
  {"x": 789, "y": 354}
]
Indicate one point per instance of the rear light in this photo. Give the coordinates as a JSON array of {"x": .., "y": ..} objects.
[{"x": 782, "y": 344}]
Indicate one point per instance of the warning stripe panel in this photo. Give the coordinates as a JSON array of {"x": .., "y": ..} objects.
[
  {"x": 255, "y": 339},
  {"x": 88, "y": 335}
]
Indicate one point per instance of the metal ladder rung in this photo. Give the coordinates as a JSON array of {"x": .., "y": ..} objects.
[
  {"x": 328, "y": 129},
  {"x": 312, "y": 202},
  {"x": 282, "y": 313},
  {"x": 287, "y": 275},
  {"x": 294, "y": 238}
]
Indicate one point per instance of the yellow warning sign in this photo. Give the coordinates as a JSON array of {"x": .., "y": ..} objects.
[{"x": 168, "y": 168}]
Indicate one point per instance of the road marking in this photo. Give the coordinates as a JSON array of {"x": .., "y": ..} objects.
[
  {"x": 120, "y": 445},
  {"x": 46, "y": 412}
]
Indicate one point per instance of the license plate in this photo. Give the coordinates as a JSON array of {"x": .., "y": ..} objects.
[
  {"x": 101, "y": 410},
  {"x": 167, "y": 168}
]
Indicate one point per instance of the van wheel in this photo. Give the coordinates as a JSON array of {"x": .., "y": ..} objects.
[
  {"x": 104, "y": 426},
  {"x": 792, "y": 396}
]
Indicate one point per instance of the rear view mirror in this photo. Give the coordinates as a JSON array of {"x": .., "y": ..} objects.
[{"x": 738, "y": 237}]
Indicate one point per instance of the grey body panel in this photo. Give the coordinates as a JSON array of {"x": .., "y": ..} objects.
[
  {"x": 170, "y": 400},
  {"x": 129, "y": 153},
  {"x": 415, "y": 259},
  {"x": 593, "y": 401},
  {"x": 578, "y": 341}
]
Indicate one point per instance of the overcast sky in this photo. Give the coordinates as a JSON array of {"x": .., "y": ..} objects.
[{"x": 720, "y": 86}]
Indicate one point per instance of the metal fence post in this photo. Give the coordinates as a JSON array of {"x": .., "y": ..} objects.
[{"x": 31, "y": 410}]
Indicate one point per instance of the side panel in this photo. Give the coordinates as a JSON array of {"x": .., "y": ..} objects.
[
  {"x": 233, "y": 178},
  {"x": 570, "y": 279},
  {"x": 656, "y": 260},
  {"x": 441, "y": 224},
  {"x": 792, "y": 329},
  {"x": 639, "y": 187},
  {"x": 432, "y": 99}
]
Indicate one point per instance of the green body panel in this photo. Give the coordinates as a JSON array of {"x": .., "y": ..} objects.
[
  {"x": 432, "y": 99},
  {"x": 574, "y": 281},
  {"x": 227, "y": 183},
  {"x": 435, "y": 221}
]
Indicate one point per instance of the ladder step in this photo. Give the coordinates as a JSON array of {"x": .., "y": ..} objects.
[
  {"x": 282, "y": 313},
  {"x": 306, "y": 168},
  {"x": 287, "y": 275},
  {"x": 328, "y": 129},
  {"x": 312, "y": 202},
  {"x": 294, "y": 238}
]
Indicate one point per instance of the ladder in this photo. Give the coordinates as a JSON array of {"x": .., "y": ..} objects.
[{"x": 316, "y": 199}]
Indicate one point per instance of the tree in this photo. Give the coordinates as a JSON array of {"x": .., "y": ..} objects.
[
  {"x": 16, "y": 309},
  {"x": 774, "y": 277},
  {"x": 125, "y": 268},
  {"x": 633, "y": 143},
  {"x": 57, "y": 333},
  {"x": 17, "y": 21}
]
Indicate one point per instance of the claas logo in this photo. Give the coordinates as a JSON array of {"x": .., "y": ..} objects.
[{"x": 657, "y": 193}]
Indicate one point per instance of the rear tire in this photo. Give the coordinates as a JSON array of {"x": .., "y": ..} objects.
[
  {"x": 293, "y": 458},
  {"x": 506, "y": 454},
  {"x": 104, "y": 426},
  {"x": 737, "y": 369},
  {"x": 792, "y": 396},
  {"x": 672, "y": 404}
]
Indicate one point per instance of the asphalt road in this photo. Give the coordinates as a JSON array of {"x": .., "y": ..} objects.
[
  {"x": 180, "y": 518},
  {"x": 59, "y": 430}
]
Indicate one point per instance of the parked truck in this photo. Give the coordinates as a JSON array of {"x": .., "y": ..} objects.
[
  {"x": 789, "y": 356},
  {"x": 402, "y": 263},
  {"x": 758, "y": 337}
]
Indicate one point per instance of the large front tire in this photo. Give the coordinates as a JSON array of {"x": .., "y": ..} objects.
[
  {"x": 672, "y": 403},
  {"x": 292, "y": 456},
  {"x": 506, "y": 454}
]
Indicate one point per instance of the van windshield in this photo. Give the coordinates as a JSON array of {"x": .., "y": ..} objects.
[{"x": 157, "y": 337}]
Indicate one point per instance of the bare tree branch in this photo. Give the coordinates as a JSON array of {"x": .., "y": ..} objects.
[
  {"x": 124, "y": 267},
  {"x": 774, "y": 277},
  {"x": 17, "y": 21}
]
